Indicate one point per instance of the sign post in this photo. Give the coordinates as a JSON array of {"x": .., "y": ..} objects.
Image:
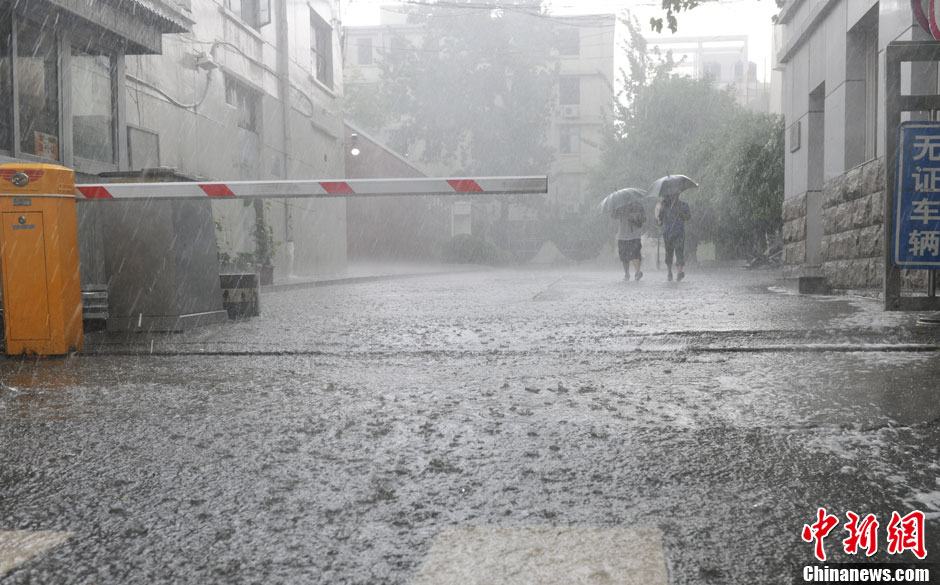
[
  {"x": 912, "y": 177},
  {"x": 916, "y": 238}
]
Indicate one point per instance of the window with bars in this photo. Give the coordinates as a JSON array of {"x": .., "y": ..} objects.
[
  {"x": 93, "y": 105},
  {"x": 37, "y": 84},
  {"x": 861, "y": 113},
  {"x": 321, "y": 49},
  {"x": 246, "y": 101},
  {"x": 569, "y": 139},
  {"x": 254, "y": 13},
  {"x": 569, "y": 90},
  {"x": 364, "y": 50},
  {"x": 568, "y": 42},
  {"x": 6, "y": 87}
]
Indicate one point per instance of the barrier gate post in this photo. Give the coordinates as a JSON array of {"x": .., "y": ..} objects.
[{"x": 42, "y": 298}]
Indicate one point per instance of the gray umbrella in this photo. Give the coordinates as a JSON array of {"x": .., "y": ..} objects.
[
  {"x": 671, "y": 185},
  {"x": 619, "y": 199}
]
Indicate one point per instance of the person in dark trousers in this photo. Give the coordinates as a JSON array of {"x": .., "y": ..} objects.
[
  {"x": 672, "y": 215},
  {"x": 632, "y": 217}
]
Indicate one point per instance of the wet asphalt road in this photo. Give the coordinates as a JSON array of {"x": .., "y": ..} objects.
[{"x": 364, "y": 433}]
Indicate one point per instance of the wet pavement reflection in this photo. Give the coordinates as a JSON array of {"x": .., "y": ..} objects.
[{"x": 384, "y": 431}]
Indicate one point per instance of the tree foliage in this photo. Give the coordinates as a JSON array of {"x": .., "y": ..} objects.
[
  {"x": 740, "y": 170},
  {"x": 757, "y": 186},
  {"x": 677, "y": 125},
  {"x": 672, "y": 8},
  {"x": 644, "y": 65},
  {"x": 474, "y": 94}
]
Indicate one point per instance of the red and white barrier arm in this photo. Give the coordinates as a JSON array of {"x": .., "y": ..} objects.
[{"x": 339, "y": 188}]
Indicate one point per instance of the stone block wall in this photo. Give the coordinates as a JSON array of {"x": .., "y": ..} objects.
[
  {"x": 794, "y": 235},
  {"x": 852, "y": 247},
  {"x": 853, "y": 227}
]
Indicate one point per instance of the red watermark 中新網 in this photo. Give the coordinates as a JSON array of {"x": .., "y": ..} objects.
[{"x": 903, "y": 533}]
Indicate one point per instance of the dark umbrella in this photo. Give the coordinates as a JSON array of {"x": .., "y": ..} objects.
[
  {"x": 671, "y": 185},
  {"x": 619, "y": 199}
]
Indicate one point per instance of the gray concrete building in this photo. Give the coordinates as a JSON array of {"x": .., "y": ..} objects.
[
  {"x": 724, "y": 59},
  {"x": 832, "y": 55},
  {"x": 252, "y": 92},
  {"x": 584, "y": 95},
  {"x": 62, "y": 77},
  {"x": 214, "y": 89},
  {"x": 157, "y": 90}
]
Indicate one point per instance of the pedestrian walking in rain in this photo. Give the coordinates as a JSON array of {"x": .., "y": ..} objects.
[
  {"x": 671, "y": 214},
  {"x": 632, "y": 217}
]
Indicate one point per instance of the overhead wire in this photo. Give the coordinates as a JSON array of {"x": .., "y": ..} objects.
[
  {"x": 483, "y": 8},
  {"x": 562, "y": 21},
  {"x": 152, "y": 86},
  {"x": 472, "y": 7},
  {"x": 167, "y": 96}
]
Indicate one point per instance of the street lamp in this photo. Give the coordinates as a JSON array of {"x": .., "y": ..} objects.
[{"x": 354, "y": 149}]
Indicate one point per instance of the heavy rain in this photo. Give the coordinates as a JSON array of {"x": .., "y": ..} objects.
[{"x": 502, "y": 292}]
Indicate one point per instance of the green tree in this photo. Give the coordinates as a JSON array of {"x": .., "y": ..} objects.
[
  {"x": 674, "y": 7},
  {"x": 362, "y": 103},
  {"x": 666, "y": 123},
  {"x": 756, "y": 191},
  {"x": 676, "y": 125},
  {"x": 475, "y": 94},
  {"x": 740, "y": 170},
  {"x": 644, "y": 65}
]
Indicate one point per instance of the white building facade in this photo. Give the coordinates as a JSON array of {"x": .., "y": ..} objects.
[
  {"x": 252, "y": 92},
  {"x": 584, "y": 95},
  {"x": 724, "y": 59},
  {"x": 214, "y": 89},
  {"x": 832, "y": 55},
  {"x": 585, "y": 102}
]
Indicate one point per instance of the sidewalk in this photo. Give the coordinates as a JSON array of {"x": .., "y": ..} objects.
[
  {"x": 475, "y": 425},
  {"x": 368, "y": 272}
]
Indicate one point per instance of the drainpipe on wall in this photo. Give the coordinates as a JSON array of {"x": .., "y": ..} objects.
[{"x": 283, "y": 68}]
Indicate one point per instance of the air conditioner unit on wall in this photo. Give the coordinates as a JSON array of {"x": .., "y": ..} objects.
[{"x": 570, "y": 112}]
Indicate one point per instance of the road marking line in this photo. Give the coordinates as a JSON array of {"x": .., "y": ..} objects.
[
  {"x": 19, "y": 546},
  {"x": 548, "y": 555}
]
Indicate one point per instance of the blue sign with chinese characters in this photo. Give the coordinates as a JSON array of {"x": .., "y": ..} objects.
[{"x": 916, "y": 235}]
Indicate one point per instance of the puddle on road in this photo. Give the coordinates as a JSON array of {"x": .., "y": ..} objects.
[
  {"x": 549, "y": 555},
  {"x": 375, "y": 453}
]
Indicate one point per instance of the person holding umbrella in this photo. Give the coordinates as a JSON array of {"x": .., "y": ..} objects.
[
  {"x": 626, "y": 206},
  {"x": 671, "y": 214},
  {"x": 629, "y": 245}
]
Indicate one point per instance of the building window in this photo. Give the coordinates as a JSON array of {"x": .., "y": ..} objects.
[
  {"x": 6, "y": 87},
  {"x": 254, "y": 13},
  {"x": 38, "y": 101},
  {"x": 364, "y": 52},
  {"x": 871, "y": 96},
  {"x": 245, "y": 101},
  {"x": 397, "y": 44},
  {"x": 861, "y": 90},
  {"x": 569, "y": 90},
  {"x": 143, "y": 148},
  {"x": 570, "y": 139},
  {"x": 568, "y": 42},
  {"x": 92, "y": 106},
  {"x": 322, "y": 49},
  {"x": 569, "y": 191},
  {"x": 712, "y": 69},
  {"x": 37, "y": 82}
]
